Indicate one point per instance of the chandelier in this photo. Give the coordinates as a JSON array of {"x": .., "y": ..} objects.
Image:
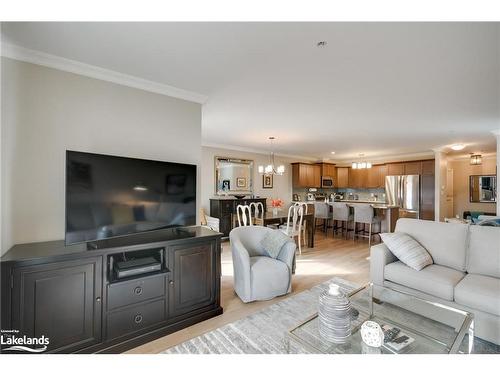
[
  {"x": 361, "y": 164},
  {"x": 272, "y": 168}
]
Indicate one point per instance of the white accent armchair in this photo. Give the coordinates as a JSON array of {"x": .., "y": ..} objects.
[{"x": 258, "y": 277}]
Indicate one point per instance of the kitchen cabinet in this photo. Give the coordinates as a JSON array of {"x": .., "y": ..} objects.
[
  {"x": 395, "y": 169},
  {"x": 382, "y": 175},
  {"x": 414, "y": 167},
  {"x": 342, "y": 177},
  {"x": 373, "y": 180},
  {"x": 327, "y": 170},
  {"x": 358, "y": 178},
  {"x": 428, "y": 167},
  {"x": 306, "y": 175}
]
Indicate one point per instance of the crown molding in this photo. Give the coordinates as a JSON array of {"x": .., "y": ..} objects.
[
  {"x": 388, "y": 158},
  {"x": 256, "y": 151},
  {"x": 15, "y": 52}
]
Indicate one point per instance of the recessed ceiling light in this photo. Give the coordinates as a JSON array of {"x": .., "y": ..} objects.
[
  {"x": 321, "y": 44},
  {"x": 458, "y": 147},
  {"x": 333, "y": 152}
]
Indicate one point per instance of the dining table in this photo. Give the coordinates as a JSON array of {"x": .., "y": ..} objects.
[{"x": 281, "y": 217}]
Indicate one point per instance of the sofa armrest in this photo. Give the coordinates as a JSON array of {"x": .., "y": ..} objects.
[
  {"x": 380, "y": 256},
  {"x": 287, "y": 253}
]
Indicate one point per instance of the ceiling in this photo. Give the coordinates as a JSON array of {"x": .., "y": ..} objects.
[{"x": 381, "y": 89}]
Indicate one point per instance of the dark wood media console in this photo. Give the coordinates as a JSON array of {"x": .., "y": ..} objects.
[{"x": 70, "y": 294}]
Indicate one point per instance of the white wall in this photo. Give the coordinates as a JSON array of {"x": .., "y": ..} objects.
[
  {"x": 46, "y": 111},
  {"x": 282, "y": 185}
]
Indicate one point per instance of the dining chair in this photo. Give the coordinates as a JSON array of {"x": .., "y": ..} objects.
[
  {"x": 304, "y": 223},
  {"x": 293, "y": 227},
  {"x": 244, "y": 215},
  {"x": 365, "y": 214},
  {"x": 322, "y": 211},
  {"x": 341, "y": 212},
  {"x": 258, "y": 213}
]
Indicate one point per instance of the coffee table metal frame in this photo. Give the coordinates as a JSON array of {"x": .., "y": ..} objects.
[{"x": 467, "y": 326}]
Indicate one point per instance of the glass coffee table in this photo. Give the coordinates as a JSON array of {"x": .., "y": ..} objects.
[{"x": 429, "y": 326}]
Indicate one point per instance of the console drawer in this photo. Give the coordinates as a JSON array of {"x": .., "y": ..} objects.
[
  {"x": 135, "y": 318},
  {"x": 135, "y": 291}
]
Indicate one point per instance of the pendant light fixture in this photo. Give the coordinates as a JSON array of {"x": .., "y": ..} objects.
[
  {"x": 361, "y": 164},
  {"x": 476, "y": 159},
  {"x": 272, "y": 168}
]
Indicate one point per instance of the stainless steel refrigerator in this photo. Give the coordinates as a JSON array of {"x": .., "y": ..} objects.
[{"x": 404, "y": 191}]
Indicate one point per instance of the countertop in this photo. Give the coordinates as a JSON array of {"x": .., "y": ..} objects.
[{"x": 375, "y": 204}]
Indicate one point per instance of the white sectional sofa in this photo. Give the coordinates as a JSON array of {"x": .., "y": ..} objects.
[{"x": 465, "y": 273}]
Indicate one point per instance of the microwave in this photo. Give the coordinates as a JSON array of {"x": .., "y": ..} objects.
[{"x": 326, "y": 182}]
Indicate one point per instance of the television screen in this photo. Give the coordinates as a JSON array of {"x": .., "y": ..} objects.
[{"x": 109, "y": 196}]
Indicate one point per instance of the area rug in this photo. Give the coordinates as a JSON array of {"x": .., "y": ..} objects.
[{"x": 264, "y": 332}]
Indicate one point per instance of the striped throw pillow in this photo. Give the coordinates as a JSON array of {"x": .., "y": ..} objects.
[{"x": 407, "y": 250}]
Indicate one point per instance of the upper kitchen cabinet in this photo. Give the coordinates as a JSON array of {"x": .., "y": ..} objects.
[
  {"x": 306, "y": 175},
  {"x": 358, "y": 178},
  {"x": 428, "y": 167},
  {"x": 395, "y": 169},
  {"x": 374, "y": 179},
  {"x": 342, "y": 177},
  {"x": 328, "y": 170},
  {"x": 413, "y": 167}
]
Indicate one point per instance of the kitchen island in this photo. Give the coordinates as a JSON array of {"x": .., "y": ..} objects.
[{"x": 388, "y": 214}]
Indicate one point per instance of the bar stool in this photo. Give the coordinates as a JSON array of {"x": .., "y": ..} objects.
[
  {"x": 341, "y": 212},
  {"x": 365, "y": 214},
  {"x": 322, "y": 211}
]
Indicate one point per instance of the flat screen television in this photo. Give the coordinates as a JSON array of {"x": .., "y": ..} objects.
[{"x": 110, "y": 196}]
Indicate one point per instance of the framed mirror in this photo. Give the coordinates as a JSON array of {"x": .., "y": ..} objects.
[
  {"x": 483, "y": 189},
  {"x": 233, "y": 176}
]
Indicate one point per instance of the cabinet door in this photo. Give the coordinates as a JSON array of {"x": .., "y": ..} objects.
[
  {"x": 61, "y": 301},
  {"x": 382, "y": 175},
  {"x": 358, "y": 178},
  {"x": 194, "y": 278},
  {"x": 373, "y": 180},
  {"x": 316, "y": 172},
  {"x": 428, "y": 167},
  {"x": 414, "y": 167},
  {"x": 395, "y": 169},
  {"x": 342, "y": 177}
]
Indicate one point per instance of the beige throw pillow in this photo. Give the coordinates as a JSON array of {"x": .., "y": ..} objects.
[{"x": 407, "y": 250}]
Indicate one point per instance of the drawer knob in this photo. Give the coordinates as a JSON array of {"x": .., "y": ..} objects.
[
  {"x": 138, "y": 290},
  {"x": 98, "y": 299},
  {"x": 138, "y": 319},
  {"x": 171, "y": 282}
]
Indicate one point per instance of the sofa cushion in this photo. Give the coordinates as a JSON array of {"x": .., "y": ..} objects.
[
  {"x": 484, "y": 251},
  {"x": 446, "y": 242},
  {"x": 269, "y": 277},
  {"x": 479, "y": 292},
  {"x": 438, "y": 281},
  {"x": 407, "y": 250}
]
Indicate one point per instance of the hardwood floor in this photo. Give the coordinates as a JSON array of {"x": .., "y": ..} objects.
[{"x": 330, "y": 257}]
